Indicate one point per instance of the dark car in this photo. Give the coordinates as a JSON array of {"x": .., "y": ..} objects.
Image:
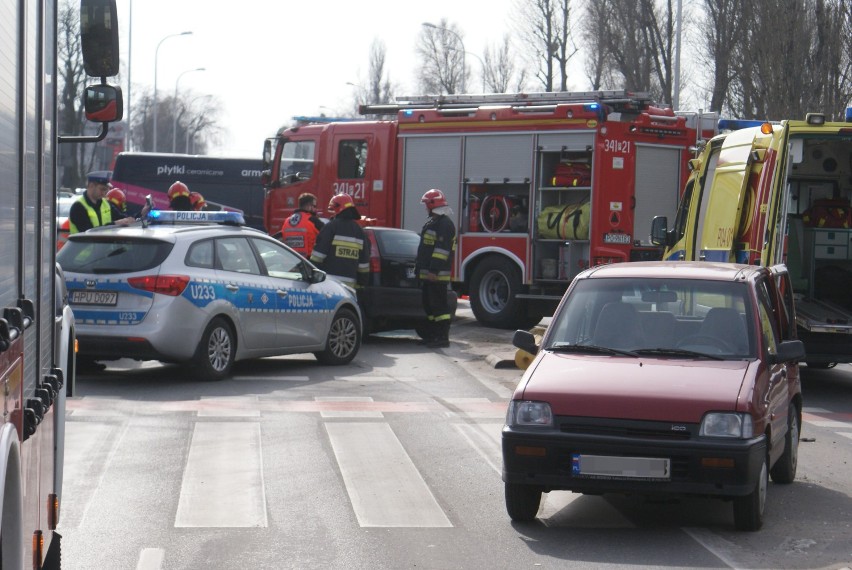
[{"x": 392, "y": 299}]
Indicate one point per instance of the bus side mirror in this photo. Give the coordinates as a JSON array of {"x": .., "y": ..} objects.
[
  {"x": 99, "y": 37},
  {"x": 103, "y": 103},
  {"x": 659, "y": 231}
]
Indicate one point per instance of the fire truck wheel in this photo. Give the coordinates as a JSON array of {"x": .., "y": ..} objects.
[{"x": 494, "y": 288}]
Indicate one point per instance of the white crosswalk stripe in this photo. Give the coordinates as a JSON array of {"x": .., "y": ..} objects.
[
  {"x": 223, "y": 481},
  {"x": 384, "y": 486}
]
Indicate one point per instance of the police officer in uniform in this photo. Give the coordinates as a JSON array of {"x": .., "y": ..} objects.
[
  {"x": 434, "y": 265},
  {"x": 301, "y": 229},
  {"x": 92, "y": 209},
  {"x": 342, "y": 249}
]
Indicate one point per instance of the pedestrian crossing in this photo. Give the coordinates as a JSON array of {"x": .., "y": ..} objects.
[
  {"x": 840, "y": 423},
  {"x": 222, "y": 442}
]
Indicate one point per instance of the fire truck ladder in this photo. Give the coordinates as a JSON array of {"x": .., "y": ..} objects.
[{"x": 619, "y": 101}]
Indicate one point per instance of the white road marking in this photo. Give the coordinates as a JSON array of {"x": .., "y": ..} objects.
[
  {"x": 223, "y": 478},
  {"x": 486, "y": 439},
  {"x": 348, "y": 413},
  {"x": 832, "y": 424},
  {"x": 150, "y": 559},
  {"x": 845, "y": 434},
  {"x": 384, "y": 487},
  {"x": 366, "y": 379},
  {"x": 274, "y": 378},
  {"x": 715, "y": 544}
]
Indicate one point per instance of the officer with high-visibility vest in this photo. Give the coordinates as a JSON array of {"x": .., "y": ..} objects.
[{"x": 92, "y": 209}]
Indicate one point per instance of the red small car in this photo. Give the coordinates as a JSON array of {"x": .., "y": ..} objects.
[{"x": 660, "y": 378}]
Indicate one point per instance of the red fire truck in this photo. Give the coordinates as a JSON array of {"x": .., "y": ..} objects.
[
  {"x": 37, "y": 334},
  {"x": 542, "y": 184}
]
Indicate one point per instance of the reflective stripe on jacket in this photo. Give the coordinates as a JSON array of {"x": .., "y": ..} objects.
[
  {"x": 436, "y": 249},
  {"x": 300, "y": 232},
  {"x": 105, "y": 217}
]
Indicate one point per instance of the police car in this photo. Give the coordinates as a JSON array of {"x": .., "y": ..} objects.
[{"x": 199, "y": 288}]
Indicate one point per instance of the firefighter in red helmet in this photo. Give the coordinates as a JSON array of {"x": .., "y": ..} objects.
[
  {"x": 342, "y": 249},
  {"x": 179, "y": 197},
  {"x": 117, "y": 198},
  {"x": 197, "y": 200},
  {"x": 434, "y": 266}
]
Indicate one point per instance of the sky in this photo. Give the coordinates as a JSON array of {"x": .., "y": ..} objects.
[{"x": 267, "y": 61}]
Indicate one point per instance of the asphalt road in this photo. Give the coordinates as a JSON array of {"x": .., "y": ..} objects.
[{"x": 393, "y": 462}]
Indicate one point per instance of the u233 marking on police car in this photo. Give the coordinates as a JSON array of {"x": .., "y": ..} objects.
[{"x": 202, "y": 292}]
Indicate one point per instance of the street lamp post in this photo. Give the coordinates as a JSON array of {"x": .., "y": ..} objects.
[
  {"x": 174, "y": 112},
  {"x": 462, "y": 50},
  {"x": 482, "y": 63},
  {"x": 156, "y": 58}
]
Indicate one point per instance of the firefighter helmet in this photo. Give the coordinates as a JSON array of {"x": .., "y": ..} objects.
[
  {"x": 434, "y": 198},
  {"x": 178, "y": 189},
  {"x": 118, "y": 199},
  {"x": 339, "y": 203},
  {"x": 197, "y": 200}
]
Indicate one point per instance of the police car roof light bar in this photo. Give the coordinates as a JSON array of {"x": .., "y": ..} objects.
[{"x": 192, "y": 217}]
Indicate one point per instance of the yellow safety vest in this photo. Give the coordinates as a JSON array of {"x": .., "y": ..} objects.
[{"x": 105, "y": 219}]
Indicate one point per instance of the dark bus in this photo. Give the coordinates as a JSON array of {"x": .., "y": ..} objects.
[{"x": 225, "y": 183}]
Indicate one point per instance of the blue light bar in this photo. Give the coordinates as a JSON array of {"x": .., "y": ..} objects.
[
  {"x": 179, "y": 217},
  {"x": 737, "y": 124},
  {"x": 849, "y": 114}
]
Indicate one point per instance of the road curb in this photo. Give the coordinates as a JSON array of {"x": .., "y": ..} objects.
[{"x": 501, "y": 361}]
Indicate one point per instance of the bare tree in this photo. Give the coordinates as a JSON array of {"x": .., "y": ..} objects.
[
  {"x": 381, "y": 89},
  {"x": 723, "y": 26},
  {"x": 598, "y": 63},
  {"x": 544, "y": 26},
  {"x": 636, "y": 43},
  {"x": 794, "y": 58},
  {"x": 441, "y": 51},
  {"x": 500, "y": 74},
  {"x": 197, "y": 124}
]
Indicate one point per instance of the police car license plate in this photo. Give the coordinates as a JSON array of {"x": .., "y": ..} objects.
[
  {"x": 617, "y": 238},
  {"x": 94, "y": 297},
  {"x": 608, "y": 466}
]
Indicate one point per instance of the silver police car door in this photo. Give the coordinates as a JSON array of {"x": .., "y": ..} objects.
[
  {"x": 303, "y": 317},
  {"x": 248, "y": 290}
]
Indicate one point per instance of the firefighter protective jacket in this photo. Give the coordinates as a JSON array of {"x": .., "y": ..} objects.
[
  {"x": 437, "y": 245},
  {"x": 342, "y": 248},
  {"x": 300, "y": 231}
]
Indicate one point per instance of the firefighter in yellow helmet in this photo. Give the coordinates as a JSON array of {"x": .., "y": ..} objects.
[
  {"x": 434, "y": 266},
  {"x": 342, "y": 250}
]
